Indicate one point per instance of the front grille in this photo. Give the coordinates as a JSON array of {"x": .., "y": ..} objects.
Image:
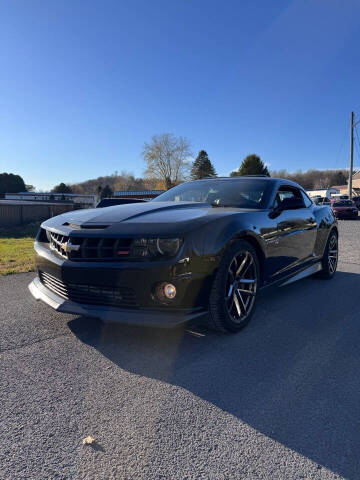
[
  {"x": 90, "y": 248},
  {"x": 90, "y": 294}
]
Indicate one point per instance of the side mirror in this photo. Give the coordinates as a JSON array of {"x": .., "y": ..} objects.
[{"x": 292, "y": 203}]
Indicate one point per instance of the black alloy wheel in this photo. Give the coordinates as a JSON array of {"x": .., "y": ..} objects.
[
  {"x": 330, "y": 258},
  {"x": 235, "y": 287}
]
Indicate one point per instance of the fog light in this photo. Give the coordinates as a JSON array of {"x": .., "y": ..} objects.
[
  {"x": 169, "y": 291},
  {"x": 165, "y": 292}
]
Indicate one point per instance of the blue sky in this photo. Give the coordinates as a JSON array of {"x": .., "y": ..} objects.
[{"x": 84, "y": 84}]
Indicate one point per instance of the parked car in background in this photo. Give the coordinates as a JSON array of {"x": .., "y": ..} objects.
[
  {"x": 202, "y": 249},
  {"x": 110, "y": 202},
  {"x": 339, "y": 196},
  {"x": 345, "y": 209},
  {"x": 321, "y": 200}
]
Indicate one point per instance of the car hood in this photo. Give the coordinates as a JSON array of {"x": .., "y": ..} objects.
[{"x": 162, "y": 217}]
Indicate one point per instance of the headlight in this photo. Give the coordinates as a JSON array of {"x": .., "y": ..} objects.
[
  {"x": 168, "y": 246},
  {"x": 155, "y": 247}
]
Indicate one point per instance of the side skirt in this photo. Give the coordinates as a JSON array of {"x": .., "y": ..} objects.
[
  {"x": 316, "y": 267},
  {"x": 305, "y": 272}
]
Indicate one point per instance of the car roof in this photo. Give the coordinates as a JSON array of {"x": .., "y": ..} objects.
[{"x": 278, "y": 181}]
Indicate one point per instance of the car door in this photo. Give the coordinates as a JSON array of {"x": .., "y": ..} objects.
[{"x": 295, "y": 233}]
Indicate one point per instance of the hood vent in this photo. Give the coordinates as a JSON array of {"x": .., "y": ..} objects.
[{"x": 85, "y": 227}]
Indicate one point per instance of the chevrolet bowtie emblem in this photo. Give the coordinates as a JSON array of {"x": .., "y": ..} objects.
[{"x": 69, "y": 247}]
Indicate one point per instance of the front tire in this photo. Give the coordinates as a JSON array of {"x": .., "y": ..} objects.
[
  {"x": 330, "y": 258},
  {"x": 234, "y": 290}
]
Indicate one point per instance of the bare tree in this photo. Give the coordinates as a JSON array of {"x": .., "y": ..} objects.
[{"x": 167, "y": 158}]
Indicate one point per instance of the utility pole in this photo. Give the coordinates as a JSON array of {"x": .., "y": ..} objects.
[{"x": 351, "y": 153}]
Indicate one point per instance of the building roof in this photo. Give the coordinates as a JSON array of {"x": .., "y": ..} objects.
[
  {"x": 51, "y": 193},
  {"x": 31, "y": 202}
]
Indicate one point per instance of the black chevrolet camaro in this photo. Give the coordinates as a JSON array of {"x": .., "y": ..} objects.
[{"x": 202, "y": 249}]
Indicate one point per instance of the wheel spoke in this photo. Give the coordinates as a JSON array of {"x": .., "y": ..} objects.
[
  {"x": 237, "y": 305},
  {"x": 247, "y": 267},
  {"x": 238, "y": 294},
  {"x": 234, "y": 262},
  {"x": 332, "y": 264},
  {"x": 246, "y": 280},
  {"x": 242, "y": 264},
  {"x": 248, "y": 292}
]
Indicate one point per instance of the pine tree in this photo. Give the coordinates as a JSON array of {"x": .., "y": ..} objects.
[
  {"x": 62, "y": 188},
  {"x": 11, "y": 183},
  {"x": 106, "y": 192},
  {"x": 202, "y": 167},
  {"x": 251, "y": 165}
]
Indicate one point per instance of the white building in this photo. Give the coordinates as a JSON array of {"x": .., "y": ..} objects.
[
  {"x": 326, "y": 192},
  {"x": 89, "y": 200}
]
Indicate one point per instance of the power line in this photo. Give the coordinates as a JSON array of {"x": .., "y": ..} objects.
[
  {"x": 357, "y": 133},
  {"x": 357, "y": 140},
  {"x": 341, "y": 147},
  {"x": 352, "y": 125}
]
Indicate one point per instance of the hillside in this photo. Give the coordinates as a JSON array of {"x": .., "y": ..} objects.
[{"x": 122, "y": 181}]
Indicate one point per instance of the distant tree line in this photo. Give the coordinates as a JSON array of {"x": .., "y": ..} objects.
[
  {"x": 168, "y": 162},
  {"x": 314, "y": 179},
  {"x": 105, "y": 186}
]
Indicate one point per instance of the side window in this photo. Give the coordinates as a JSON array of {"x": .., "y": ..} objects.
[
  {"x": 306, "y": 199},
  {"x": 289, "y": 192},
  {"x": 284, "y": 193}
]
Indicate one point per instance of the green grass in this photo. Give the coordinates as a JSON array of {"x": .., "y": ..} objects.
[{"x": 17, "y": 249}]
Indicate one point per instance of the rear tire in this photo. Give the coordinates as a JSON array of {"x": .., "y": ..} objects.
[
  {"x": 330, "y": 258},
  {"x": 234, "y": 291}
]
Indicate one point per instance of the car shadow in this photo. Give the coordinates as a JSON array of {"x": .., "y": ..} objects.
[{"x": 292, "y": 373}]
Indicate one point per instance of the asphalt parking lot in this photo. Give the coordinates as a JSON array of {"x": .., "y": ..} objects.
[{"x": 281, "y": 400}]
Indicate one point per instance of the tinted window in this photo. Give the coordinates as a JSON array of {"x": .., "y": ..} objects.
[
  {"x": 287, "y": 192},
  {"x": 307, "y": 200},
  {"x": 240, "y": 192}
]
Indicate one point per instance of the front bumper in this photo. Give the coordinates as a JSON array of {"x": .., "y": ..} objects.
[
  {"x": 112, "y": 314},
  {"x": 191, "y": 301}
]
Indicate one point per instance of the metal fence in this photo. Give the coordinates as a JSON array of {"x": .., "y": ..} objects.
[{"x": 12, "y": 214}]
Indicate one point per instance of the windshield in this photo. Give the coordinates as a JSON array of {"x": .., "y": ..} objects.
[
  {"x": 240, "y": 193},
  {"x": 343, "y": 203}
]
